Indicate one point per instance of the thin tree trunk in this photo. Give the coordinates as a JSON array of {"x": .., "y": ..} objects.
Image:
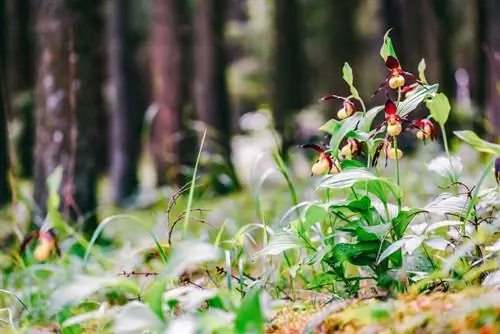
[
  {"x": 22, "y": 77},
  {"x": 481, "y": 77},
  {"x": 68, "y": 102},
  {"x": 493, "y": 111},
  {"x": 126, "y": 102},
  {"x": 167, "y": 74},
  {"x": 211, "y": 94},
  {"x": 4, "y": 147},
  {"x": 289, "y": 64}
]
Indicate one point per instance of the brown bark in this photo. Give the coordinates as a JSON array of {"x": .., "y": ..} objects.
[
  {"x": 68, "y": 102},
  {"x": 4, "y": 147},
  {"x": 289, "y": 69},
  {"x": 127, "y": 102},
  {"x": 168, "y": 74},
  {"x": 493, "y": 100},
  {"x": 22, "y": 77},
  {"x": 211, "y": 94}
]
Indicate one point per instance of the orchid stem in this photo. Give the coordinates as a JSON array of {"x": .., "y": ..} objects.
[
  {"x": 445, "y": 139},
  {"x": 397, "y": 170}
]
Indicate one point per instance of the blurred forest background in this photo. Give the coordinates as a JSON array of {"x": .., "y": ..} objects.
[{"x": 102, "y": 87}]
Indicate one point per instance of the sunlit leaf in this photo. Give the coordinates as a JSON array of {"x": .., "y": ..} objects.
[
  {"x": 348, "y": 78},
  {"x": 346, "y": 179},
  {"x": 446, "y": 166},
  {"x": 438, "y": 243},
  {"x": 440, "y": 224},
  {"x": 184, "y": 325},
  {"x": 387, "y": 48},
  {"x": 347, "y": 74},
  {"x": 393, "y": 247},
  {"x": 331, "y": 127},
  {"x": 280, "y": 242},
  {"x": 188, "y": 254},
  {"x": 477, "y": 143},
  {"x": 135, "y": 317},
  {"x": 406, "y": 106},
  {"x": 421, "y": 71},
  {"x": 439, "y": 107},
  {"x": 448, "y": 204},
  {"x": 83, "y": 287}
]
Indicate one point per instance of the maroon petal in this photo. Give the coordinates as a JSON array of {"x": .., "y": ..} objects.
[
  {"x": 392, "y": 63},
  {"x": 390, "y": 107},
  {"x": 314, "y": 147}
]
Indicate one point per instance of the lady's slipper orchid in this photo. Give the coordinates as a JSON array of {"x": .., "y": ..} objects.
[
  {"x": 394, "y": 127},
  {"x": 396, "y": 77},
  {"x": 426, "y": 129},
  {"x": 46, "y": 243},
  {"x": 325, "y": 163},
  {"x": 347, "y": 109},
  {"x": 351, "y": 148}
]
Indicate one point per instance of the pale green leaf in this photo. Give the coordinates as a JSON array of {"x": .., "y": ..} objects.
[
  {"x": 439, "y": 107},
  {"x": 477, "y": 143}
]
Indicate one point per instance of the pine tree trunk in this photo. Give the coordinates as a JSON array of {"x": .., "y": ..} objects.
[
  {"x": 22, "y": 77},
  {"x": 168, "y": 75},
  {"x": 289, "y": 66},
  {"x": 493, "y": 108},
  {"x": 4, "y": 147},
  {"x": 126, "y": 102},
  {"x": 68, "y": 103},
  {"x": 211, "y": 94}
]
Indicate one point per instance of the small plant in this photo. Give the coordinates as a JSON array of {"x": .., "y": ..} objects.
[{"x": 363, "y": 231}]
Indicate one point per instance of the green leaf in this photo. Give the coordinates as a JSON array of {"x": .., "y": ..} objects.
[
  {"x": 251, "y": 315},
  {"x": 351, "y": 164},
  {"x": 477, "y": 143},
  {"x": 347, "y": 125},
  {"x": 348, "y": 78},
  {"x": 360, "y": 254},
  {"x": 153, "y": 297},
  {"x": 439, "y": 107},
  {"x": 331, "y": 127},
  {"x": 421, "y": 93},
  {"x": 421, "y": 71},
  {"x": 393, "y": 248},
  {"x": 314, "y": 214},
  {"x": 280, "y": 242},
  {"x": 402, "y": 220},
  {"x": 347, "y": 74},
  {"x": 387, "y": 48},
  {"x": 366, "y": 122}
]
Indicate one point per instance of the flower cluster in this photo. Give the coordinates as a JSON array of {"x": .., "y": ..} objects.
[{"x": 392, "y": 126}]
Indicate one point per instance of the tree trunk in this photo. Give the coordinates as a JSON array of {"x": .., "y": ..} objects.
[
  {"x": 493, "y": 111},
  {"x": 4, "y": 147},
  {"x": 211, "y": 94},
  {"x": 481, "y": 65},
  {"x": 168, "y": 75},
  {"x": 126, "y": 102},
  {"x": 68, "y": 103},
  {"x": 22, "y": 77},
  {"x": 289, "y": 65}
]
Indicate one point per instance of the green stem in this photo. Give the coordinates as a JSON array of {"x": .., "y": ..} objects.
[
  {"x": 397, "y": 170},
  {"x": 445, "y": 140}
]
